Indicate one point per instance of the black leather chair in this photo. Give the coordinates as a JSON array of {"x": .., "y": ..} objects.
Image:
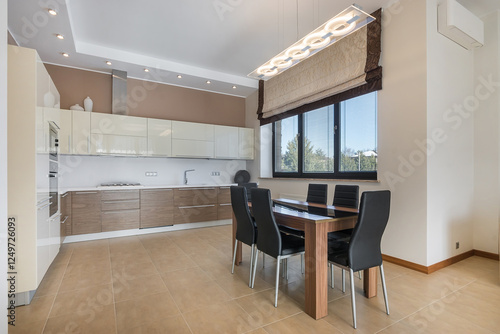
[
  {"x": 249, "y": 186},
  {"x": 363, "y": 250},
  {"x": 270, "y": 240},
  {"x": 246, "y": 230}
]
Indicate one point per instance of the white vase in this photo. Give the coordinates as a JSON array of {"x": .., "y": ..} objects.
[
  {"x": 76, "y": 107},
  {"x": 49, "y": 99},
  {"x": 88, "y": 104}
]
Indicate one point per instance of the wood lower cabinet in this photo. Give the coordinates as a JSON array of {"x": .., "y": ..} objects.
[
  {"x": 224, "y": 208},
  {"x": 157, "y": 207},
  {"x": 86, "y": 212},
  {"x": 194, "y": 205},
  {"x": 65, "y": 215},
  {"x": 120, "y": 210}
]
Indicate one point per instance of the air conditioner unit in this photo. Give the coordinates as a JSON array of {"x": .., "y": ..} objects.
[{"x": 460, "y": 25}]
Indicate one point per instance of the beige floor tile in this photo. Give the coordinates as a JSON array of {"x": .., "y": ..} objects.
[
  {"x": 299, "y": 324},
  {"x": 261, "y": 308},
  {"x": 38, "y": 310},
  {"x": 82, "y": 301},
  {"x": 225, "y": 317},
  {"x": 96, "y": 320},
  {"x": 258, "y": 331},
  {"x": 175, "y": 324},
  {"x": 77, "y": 268},
  {"x": 85, "y": 279},
  {"x": 192, "y": 296},
  {"x": 127, "y": 257},
  {"x": 134, "y": 270},
  {"x": 48, "y": 286},
  {"x": 172, "y": 262},
  {"x": 144, "y": 310},
  {"x": 185, "y": 276},
  {"x": 237, "y": 286},
  {"x": 27, "y": 328},
  {"x": 139, "y": 287}
]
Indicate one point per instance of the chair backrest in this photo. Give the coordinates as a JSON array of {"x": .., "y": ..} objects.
[
  {"x": 317, "y": 193},
  {"x": 347, "y": 196},
  {"x": 245, "y": 228},
  {"x": 364, "y": 246},
  {"x": 249, "y": 186},
  {"x": 269, "y": 238}
]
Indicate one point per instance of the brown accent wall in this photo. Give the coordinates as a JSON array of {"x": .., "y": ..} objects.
[
  {"x": 148, "y": 99},
  {"x": 10, "y": 39}
]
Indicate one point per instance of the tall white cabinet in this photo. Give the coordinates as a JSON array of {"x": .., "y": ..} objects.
[{"x": 29, "y": 85}]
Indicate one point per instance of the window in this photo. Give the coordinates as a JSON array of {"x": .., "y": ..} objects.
[{"x": 337, "y": 141}]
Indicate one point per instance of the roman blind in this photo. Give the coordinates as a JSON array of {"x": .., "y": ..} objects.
[{"x": 344, "y": 70}]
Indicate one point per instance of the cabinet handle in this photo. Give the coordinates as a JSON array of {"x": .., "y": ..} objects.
[
  {"x": 44, "y": 200},
  {"x": 46, "y": 205},
  {"x": 119, "y": 191},
  {"x": 190, "y": 156},
  {"x": 66, "y": 194},
  {"x": 55, "y": 217},
  {"x": 85, "y": 192},
  {"x": 224, "y": 187},
  {"x": 64, "y": 221},
  {"x": 148, "y": 190},
  {"x": 196, "y": 206},
  {"x": 121, "y": 201},
  {"x": 187, "y": 189},
  {"x": 225, "y": 204},
  {"x": 119, "y": 211}
]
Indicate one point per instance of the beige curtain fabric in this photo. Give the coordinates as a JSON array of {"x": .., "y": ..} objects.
[{"x": 343, "y": 66}]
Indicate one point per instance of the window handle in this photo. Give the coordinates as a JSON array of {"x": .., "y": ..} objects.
[{"x": 335, "y": 128}]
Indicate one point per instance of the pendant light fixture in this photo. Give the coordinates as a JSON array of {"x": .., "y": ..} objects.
[{"x": 338, "y": 27}]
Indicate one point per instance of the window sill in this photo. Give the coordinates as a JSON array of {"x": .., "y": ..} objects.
[{"x": 317, "y": 179}]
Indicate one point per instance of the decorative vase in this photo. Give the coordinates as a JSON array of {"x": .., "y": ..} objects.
[
  {"x": 49, "y": 99},
  {"x": 76, "y": 107},
  {"x": 88, "y": 104}
]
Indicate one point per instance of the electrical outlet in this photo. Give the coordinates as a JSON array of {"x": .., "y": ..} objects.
[
  {"x": 457, "y": 245},
  {"x": 151, "y": 173},
  {"x": 215, "y": 174}
]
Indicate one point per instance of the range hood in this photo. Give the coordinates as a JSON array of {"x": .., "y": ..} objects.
[{"x": 119, "y": 94}]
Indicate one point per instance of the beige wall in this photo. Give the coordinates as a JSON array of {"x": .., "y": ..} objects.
[{"x": 148, "y": 99}]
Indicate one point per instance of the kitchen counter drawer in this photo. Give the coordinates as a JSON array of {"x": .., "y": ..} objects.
[
  {"x": 120, "y": 205},
  {"x": 116, "y": 195},
  {"x": 154, "y": 197},
  {"x": 195, "y": 196},
  {"x": 120, "y": 220},
  {"x": 224, "y": 211},
  {"x": 224, "y": 195},
  {"x": 194, "y": 214},
  {"x": 157, "y": 207},
  {"x": 85, "y": 212}
]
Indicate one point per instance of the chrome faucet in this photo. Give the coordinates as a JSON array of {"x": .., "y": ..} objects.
[{"x": 185, "y": 175}]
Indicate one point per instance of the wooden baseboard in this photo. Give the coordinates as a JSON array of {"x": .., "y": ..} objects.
[
  {"x": 439, "y": 265},
  {"x": 487, "y": 255}
]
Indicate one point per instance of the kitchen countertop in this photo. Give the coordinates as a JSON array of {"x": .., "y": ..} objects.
[{"x": 169, "y": 186}]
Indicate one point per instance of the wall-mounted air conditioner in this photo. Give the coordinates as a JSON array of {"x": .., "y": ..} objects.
[{"x": 460, "y": 25}]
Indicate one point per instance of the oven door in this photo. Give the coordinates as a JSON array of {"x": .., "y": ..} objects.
[
  {"x": 53, "y": 193},
  {"x": 53, "y": 141}
]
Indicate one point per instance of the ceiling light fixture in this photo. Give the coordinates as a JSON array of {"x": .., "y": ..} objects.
[
  {"x": 146, "y": 70},
  {"x": 234, "y": 87},
  {"x": 209, "y": 82},
  {"x": 59, "y": 36},
  {"x": 52, "y": 11},
  {"x": 108, "y": 62},
  {"x": 179, "y": 76},
  {"x": 338, "y": 27},
  {"x": 65, "y": 54}
]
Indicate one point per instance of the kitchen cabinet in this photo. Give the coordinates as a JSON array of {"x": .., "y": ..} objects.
[
  {"x": 246, "y": 143},
  {"x": 224, "y": 208},
  {"x": 118, "y": 145},
  {"x": 192, "y": 131},
  {"x": 159, "y": 137},
  {"x": 80, "y": 132},
  {"x": 86, "y": 212},
  {"x": 120, "y": 210},
  {"x": 226, "y": 139},
  {"x": 193, "y": 205},
  {"x": 65, "y": 205},
  {"x": 157, "y": 207},
  {"x": 192, "y": 140},
  {"x": 28, "y": 197},
  {"x": 63, "y": 120}
]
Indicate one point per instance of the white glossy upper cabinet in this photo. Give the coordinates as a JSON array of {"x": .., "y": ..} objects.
[
  {"x": 246, "y": 143},
  {"x": 119, "y": 125},
  {"x": 226, "y": 142},
  {"x": 192, "y": 140},
  {"x": 159, "y": 137},
  {"x": 63, "y": 120},
  {"x": 80, "y": 132}
]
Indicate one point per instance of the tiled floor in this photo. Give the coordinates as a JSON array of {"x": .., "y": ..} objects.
[{"x": 180, "y": 282}]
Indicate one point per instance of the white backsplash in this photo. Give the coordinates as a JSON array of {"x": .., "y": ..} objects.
[{"x": 90, "y": 171}]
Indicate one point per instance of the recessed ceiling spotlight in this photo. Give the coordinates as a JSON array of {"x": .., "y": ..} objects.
[
  {"x": 234, "y": 87},
  {"x": 59, "y": 36},
  {"x": 179, "y": 76},
  {"x": 209, "y": 82},
  {"x": 108, "y": 62},
  {"x": 52, "y": 11},
  {"x": 65, "y": 54},
  {"x": 146, "y": 70}
]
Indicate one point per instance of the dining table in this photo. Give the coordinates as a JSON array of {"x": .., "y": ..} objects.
[{"x": 304, "y": 216}]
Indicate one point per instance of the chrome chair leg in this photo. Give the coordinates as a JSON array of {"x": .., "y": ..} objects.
[
  {"x": 234, "y": 256},
  {"x": 286, "y": 269},
  {"x": 255, "y": 266},
  {"x": 384, "y": 288},
  {"x": 343, "y": 280},
  {"x": 353, "y": 298},
  {"x": 251, "y": 266},
  {"x": 277, "y": 281},
  {"x": 332, "y": 283},
  {"x": 263, "y": 260},
  {"x": 359, "y": 274}
]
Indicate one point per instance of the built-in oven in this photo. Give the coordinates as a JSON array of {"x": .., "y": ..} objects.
[{"x": 53, "y": 169}]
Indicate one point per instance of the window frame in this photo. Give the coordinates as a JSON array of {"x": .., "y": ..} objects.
[{"x": 337, "y": 173}]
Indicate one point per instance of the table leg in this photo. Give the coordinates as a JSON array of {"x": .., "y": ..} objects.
[
  {"x": 370, "y": 282},
  {"x": 316, "y": 281},
  {"x": 238, "y": 252}
]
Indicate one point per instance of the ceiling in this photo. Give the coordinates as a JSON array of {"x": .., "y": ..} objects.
[{"x": 217, "y": 40}]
